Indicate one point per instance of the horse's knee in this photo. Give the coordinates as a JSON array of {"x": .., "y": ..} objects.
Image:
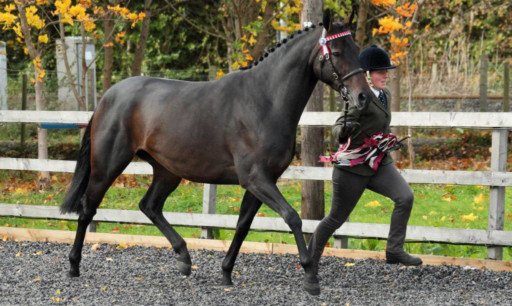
[
  {"x": 332, "y": 222},
  {"x": 293, "y": 220}
]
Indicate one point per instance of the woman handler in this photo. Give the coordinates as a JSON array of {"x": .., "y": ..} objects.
[{"x": 363, "y": 162}]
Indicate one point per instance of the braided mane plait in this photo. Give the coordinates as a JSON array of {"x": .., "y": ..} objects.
[{"x": 279, "y": 44}]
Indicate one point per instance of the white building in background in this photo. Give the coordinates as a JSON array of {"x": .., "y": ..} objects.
[
  {"x": 67, "y": 100},
  {"x": 3, "y": 76}
]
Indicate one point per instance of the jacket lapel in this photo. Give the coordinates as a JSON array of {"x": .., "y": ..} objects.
[{"x": 388, "y": 100}]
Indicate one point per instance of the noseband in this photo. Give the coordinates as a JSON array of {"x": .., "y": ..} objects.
[{"x": 326, "y": 56}]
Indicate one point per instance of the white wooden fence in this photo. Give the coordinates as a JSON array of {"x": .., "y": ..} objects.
[{"x": 497, "y": 179}]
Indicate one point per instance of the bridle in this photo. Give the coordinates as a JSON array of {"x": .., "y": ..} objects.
[{"x": 326, "y": 56}]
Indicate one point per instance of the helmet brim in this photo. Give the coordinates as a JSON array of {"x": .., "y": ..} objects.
[{"x": 384, "y": 68}]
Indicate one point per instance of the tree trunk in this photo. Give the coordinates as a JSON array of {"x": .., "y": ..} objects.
[
  {"x": 312, "y": 145},
  {"x": 44, "y": 180},
  {"x": 362, "y": 17},
  {"x": 141, "y": 46},
  {"x": 265, "y": 35},
  {"x": 108, "y": 28},
  {"x": 82, "y": 103},
  {"x": 42, "y": 135}
]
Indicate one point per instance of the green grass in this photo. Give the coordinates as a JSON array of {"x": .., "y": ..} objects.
[{"x": 435, "y": 205}]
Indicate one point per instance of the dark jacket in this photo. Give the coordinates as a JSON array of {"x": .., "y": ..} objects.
[{"x": 375, "y": 118}]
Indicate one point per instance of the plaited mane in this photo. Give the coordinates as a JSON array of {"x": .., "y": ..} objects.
[{"x": 279, "y": 44}]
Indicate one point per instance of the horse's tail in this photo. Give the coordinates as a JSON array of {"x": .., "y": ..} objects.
[{"x": 71, "y": 203}]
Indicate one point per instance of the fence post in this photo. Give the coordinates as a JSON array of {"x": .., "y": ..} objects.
[
  {"x": 92, "y": 227},
  {"x": 209, "y": 191},
  {"x": 506, "y": 86},
  {"x": 484, "y": 67},
  {"x": 209, "y": 207},
  {"x": 497, "y": 194},
  {"x": 341, "y": 242}
]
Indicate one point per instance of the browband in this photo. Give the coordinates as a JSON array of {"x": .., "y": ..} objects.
[{"x": 323, "y": 40}]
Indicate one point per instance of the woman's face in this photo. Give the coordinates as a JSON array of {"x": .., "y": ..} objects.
[{"x": 379, "y": 78}]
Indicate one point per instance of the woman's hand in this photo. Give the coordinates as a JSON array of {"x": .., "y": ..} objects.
[{"x": 347, "y": 129}]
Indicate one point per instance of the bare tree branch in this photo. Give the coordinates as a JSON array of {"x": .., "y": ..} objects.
[{"x": 194, "y": 25}]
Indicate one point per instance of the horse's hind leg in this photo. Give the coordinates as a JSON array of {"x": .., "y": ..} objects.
[
  {"x": 103, "y": 174},
  {"x": 152, "y": 205},
  {"x": 248, "y": 209}
]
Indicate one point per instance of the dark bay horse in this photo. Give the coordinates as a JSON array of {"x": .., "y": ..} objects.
[{"x": 240, "y": 129}]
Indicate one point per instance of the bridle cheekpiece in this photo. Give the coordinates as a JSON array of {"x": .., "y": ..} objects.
[{"x": 326, "y": 51}]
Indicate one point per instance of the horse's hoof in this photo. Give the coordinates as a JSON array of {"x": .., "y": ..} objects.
[
  {"x": 226, "y": 282},
  {"x": 312, "y": 288},
  {"x": 184, "y": 268},
  {"x": 73, "y": 273}
]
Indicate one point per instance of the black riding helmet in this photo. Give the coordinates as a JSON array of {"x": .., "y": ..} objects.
[{"x": 375, "y": 58}]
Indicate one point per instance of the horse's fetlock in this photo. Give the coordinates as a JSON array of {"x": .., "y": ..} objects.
[
  {"x": 306, "y": 262},
  {"x": 227, "y": 266},
  {"x": 74, "y": 260},
  {"x": 180, "y": 247}
]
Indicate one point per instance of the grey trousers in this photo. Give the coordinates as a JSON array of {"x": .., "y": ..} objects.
[{"x": 348, "y": 188}]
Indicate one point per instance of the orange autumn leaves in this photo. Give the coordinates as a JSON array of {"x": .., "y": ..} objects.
[{"x": 398, "y": 26}]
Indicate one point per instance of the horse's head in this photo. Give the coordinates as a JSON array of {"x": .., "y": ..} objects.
[{"x": 337, "y": 62}]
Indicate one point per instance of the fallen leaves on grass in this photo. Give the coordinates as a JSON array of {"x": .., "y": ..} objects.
[
  {"x": 470, "y": 217},
  {"x": 479, "y": 199},
  {"x": 448, "y": 197},
  {"x": 373, "y": 204}
]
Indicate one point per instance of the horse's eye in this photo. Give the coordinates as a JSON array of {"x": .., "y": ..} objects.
[{"x": 336, "y": 53}]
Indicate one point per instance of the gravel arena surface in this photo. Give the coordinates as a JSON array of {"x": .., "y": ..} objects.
[{"x": 35, "y": 273}]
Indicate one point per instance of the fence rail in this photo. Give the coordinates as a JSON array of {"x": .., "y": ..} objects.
[
  {"x": 487, "y": 120},
  {"x": 497, "y": 179}
]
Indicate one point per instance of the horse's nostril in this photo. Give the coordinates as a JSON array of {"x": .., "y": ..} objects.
[{"x": 362, "y": 98}]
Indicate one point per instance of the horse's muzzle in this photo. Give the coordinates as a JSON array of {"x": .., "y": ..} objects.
[{"x": 360, "y": 101}]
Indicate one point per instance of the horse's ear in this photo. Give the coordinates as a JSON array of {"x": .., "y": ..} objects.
[
  {"x": 327, "y": 20},
  {"x": 348, "y": 20}
]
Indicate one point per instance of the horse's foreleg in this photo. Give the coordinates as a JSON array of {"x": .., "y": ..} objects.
[
  {"x": 267, "y": 191},
  {"x": 164, "y": 183},
  {"x": 248, "y": 209}
]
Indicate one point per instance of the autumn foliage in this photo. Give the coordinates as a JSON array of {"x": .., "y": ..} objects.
[{"x": 397, "y": 26}]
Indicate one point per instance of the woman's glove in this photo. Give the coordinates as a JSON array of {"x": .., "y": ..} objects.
[{"x": 347, "y": 129}]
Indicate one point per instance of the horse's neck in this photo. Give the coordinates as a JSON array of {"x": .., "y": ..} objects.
[{"x": 288, "y": 76}]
